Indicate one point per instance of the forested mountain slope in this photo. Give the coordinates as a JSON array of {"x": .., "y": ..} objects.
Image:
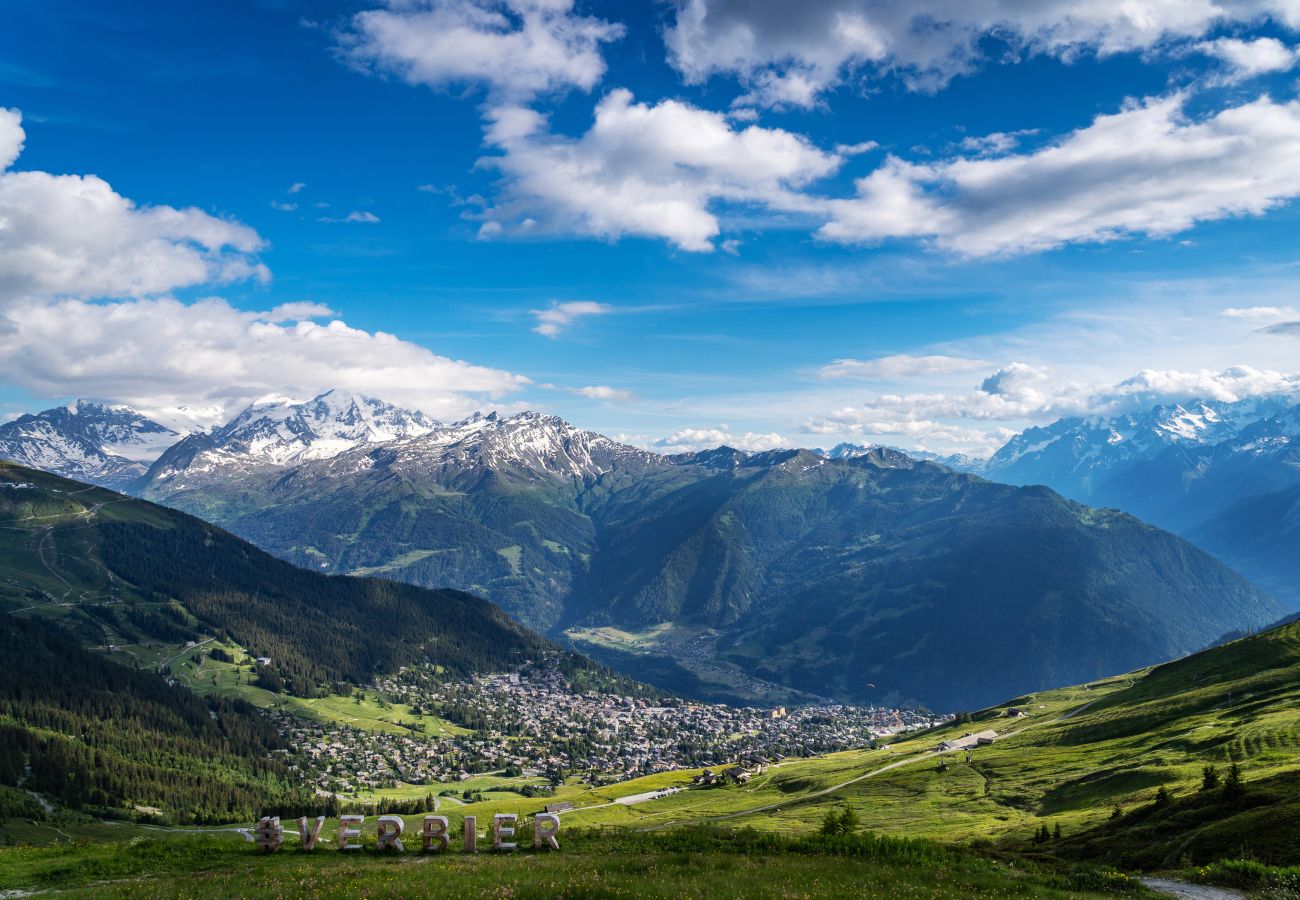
[
  {"x": 116, "y": 570},
  {"x": 820, "y": 575},
  {"x": 100, "y": 737}
]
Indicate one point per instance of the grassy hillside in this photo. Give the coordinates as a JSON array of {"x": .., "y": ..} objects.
[
  {"x": 1077, "y": 755},
  {"x": 129, "y": 576}
]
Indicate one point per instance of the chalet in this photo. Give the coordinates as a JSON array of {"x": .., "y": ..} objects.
[
  {"x": 738, "y": 775},
  {"x": 968, "y": 740},
  {"x": 562, "y": 806}
]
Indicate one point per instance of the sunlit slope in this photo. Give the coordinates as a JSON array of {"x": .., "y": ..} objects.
[{"x": 1077, "y": 754}]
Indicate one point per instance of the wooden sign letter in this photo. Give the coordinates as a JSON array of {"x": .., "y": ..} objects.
[
  {"x": 435, "y": 832},
  {"x": 503, "y": 827},
  {"x": 545, "y": 827},
  {"x": 389, "y": 833},
  {"x": 345, "y": 832},
  {"x": 470, "y": 824}
]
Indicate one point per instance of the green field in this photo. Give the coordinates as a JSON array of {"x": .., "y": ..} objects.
[{"x": 680, "y": 864}]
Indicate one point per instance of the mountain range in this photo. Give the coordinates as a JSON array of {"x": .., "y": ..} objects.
[
  {"x": 862, "y": 573},
  {"x": 108, "y": 445},
  {"x": 1223, "y": 474}
]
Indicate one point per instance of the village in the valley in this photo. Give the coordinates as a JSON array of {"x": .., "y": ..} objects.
[{"x": 535, "y": 724}]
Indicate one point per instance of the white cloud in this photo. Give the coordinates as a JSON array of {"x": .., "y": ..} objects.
[
  {"x": 1151, "y": 386},
  {"x": 298, "y": 311},
  {"x": 647, "y": 170},
  {"x": 559, "y": 316},
  {"x": 295, "y": 187},
  {"x": 1020, "y": 392},
  {"x": 67, "y": 240},
  {"x": 73, "y": 235},
  {"x": 283, "y": 207},
  {"x": 689, "y": 440},
  {"x": 520, "y": 48},
  {"x": 1257, "y": 313},
  {"x": 997, "y": 143},
  {"x": 788, "y": 54},
  {"x": 11, "y": 136},
  {"x": 356, "y": 216},
  {"x": 603, "y": 392},
  {"x": 1247, "y": 59},
  {"x": 158, "y": 353},
  {"x": 1147, "y": 169},
  {"x": 856, "y": 149},
  {"x": 901, "y": 365}
]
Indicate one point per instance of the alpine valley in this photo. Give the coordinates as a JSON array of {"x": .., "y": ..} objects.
[{"x": 862, "y": 575}]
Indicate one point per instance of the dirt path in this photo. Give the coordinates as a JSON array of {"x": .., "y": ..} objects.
[{"x": 1171, "y": 888}]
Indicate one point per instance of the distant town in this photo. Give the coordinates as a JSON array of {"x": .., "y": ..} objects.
[{"x": 535, "y": 724}]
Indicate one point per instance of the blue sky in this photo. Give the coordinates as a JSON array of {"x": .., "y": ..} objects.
[{"x": 759, "y": 223}]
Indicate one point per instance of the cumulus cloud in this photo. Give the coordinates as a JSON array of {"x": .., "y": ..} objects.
[
  {"x": 519, "y": 48},
  {"x": 689, "y": 440},
  {"x": 297, "y": 311},
  {"x": 1148, "y": 169},
  {"x": 1246, "y": 59},
  {"x": 1019, "y": 392},
  {"x": 790, "y": 54},
  {"x": 901, "y": 365},
  {"x": 160, "y": 352},
  {"x": 73, "y": 235},
  {"x": 85, "y": 276},
  {"x": 12, "y": 136},
  {"x": 1019, "y": 382},
  {"x": 559, "y": 316},
  {"x": 649, "y": 170},
  {"x": 603, "y": 392}
]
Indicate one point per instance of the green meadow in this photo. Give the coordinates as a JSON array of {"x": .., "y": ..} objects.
[{"x": 682, "y": 863}]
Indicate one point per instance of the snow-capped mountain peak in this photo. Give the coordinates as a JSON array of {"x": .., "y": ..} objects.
[
  {"x": 107, "y": 444},
  {"x": 281, "y": 430},
  {"x": 526, "y": 442},
  {"x": 962, "y": 462},
  {"x": 1078, "y": 455}
]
